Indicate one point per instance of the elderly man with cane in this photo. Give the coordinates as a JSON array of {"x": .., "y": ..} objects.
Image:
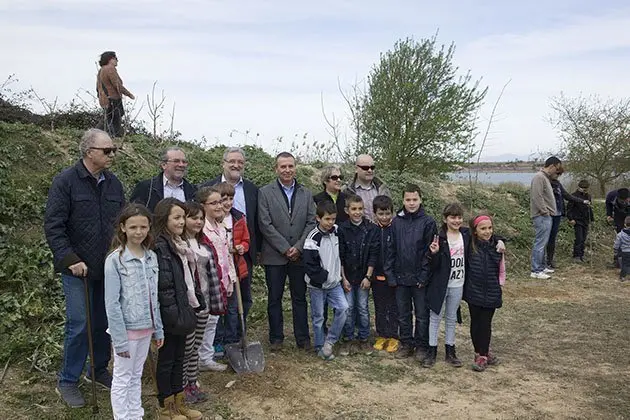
[{"x": 83, "y": 203}]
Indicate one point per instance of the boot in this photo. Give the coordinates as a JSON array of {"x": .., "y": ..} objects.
[
  {"x": 180, "y": 405},
  {"x": 168, "y": 411},
  {"x": 451, "y": 357},
  {"x": 429, "y": 358}
]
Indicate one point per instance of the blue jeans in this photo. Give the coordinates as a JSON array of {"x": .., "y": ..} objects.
[
  {"x": 336, "y": 299},
  {"x": 449, "y": 311},
  {"x": 358, "y": 313},
  {"x": 276, "y": 277},
  {"x": 232, "y": 321},
  {"x": 413, "y": 300},
  {"x": 75, "y": 345},
  {"x": 551, "y": 244},
  {"x": 542, "y": 230}
]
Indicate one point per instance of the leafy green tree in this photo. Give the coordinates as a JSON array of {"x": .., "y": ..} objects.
[
  {"x": 596, "y": 136},
  {"x": 418, "y": 114}
]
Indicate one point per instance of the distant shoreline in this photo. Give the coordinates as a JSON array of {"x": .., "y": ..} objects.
[{"x": 500, "y": 167}]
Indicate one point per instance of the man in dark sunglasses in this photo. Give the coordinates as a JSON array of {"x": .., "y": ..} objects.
[
  {"x": 366, "y": 185},
  {"x": 83, "y": 203}
]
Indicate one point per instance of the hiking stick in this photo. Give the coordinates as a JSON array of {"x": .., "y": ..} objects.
[{"x": 88, "y": 316}]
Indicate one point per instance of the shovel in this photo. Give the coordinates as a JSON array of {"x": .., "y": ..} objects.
[{"x": 244, "y": 357}]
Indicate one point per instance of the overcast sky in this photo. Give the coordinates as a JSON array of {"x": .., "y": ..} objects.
[{"x": 261, "y": 65}]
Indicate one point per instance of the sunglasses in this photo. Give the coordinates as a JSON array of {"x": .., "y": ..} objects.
[
  {"x": 366, "y": 167},
  {"x": 106, "y": 150},
  {"x": 336, "y": 177}
]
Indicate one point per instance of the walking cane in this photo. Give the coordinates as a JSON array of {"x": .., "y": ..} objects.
[{"x": 88, "y": 315}]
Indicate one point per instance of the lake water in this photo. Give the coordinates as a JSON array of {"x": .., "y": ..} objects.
[{"x": 524, "y": 178}]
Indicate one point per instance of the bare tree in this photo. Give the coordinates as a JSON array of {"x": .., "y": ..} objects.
[
  {"x": 155, "y": 108},
  {"x": 595, "y": 134},
  {"x": 50, "y": 108}
]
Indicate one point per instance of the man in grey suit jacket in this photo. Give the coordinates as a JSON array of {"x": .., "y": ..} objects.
[{"x": 286, "y": 215}]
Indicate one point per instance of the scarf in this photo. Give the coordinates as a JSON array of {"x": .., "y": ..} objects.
[{"x": 189, "y": 261}]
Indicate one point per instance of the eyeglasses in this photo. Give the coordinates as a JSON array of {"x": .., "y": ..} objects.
[
  {"x": 213, "y": 203},
  {"x": 234, "y": 162},
  {"x": 177, "y": 161},
  {"x": 366, "y": 167},
  {"x": 336, "y": 177},
  {"x": 106, "y": 150}
]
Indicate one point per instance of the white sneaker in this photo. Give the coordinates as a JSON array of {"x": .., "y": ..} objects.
[
  {"x": 549, "y": 270},
  {"x": 213, "y": 366},
  {"x": 540, "y": 275}
]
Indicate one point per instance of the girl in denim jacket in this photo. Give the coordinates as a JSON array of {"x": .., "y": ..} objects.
[{"x": 131, "y": 303}]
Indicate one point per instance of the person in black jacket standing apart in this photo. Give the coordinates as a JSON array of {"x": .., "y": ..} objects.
[
  {"x": 286, "y": 215},
  {"x": 83, "y": 203},
  {"x": 171, "y": 182},
  {"x": 407, "y": 268}
]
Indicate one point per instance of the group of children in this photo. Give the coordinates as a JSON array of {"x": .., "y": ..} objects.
[
  {"x": 415, "y": 271},
  {"x": 171, "y": 277}
]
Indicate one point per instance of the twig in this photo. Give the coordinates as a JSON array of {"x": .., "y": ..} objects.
[{"x": 4, "y": 371}]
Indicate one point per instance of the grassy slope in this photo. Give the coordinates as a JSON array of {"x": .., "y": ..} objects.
[{"x": 563, "y": 337}]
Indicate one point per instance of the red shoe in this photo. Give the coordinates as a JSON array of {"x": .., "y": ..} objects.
[{"x": 480, "y": 364}]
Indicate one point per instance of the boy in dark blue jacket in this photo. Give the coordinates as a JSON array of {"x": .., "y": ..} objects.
[
  {"x": 580, "y": 216},
  {"x": 358, "y": 250},
  {"x": 384, "y": 294},
  {"x": 407, "y": 267}
]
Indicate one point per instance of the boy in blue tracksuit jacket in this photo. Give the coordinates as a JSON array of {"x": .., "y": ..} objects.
[
  {"x": 358, "y": 249},
  {"x": 407, "y": 267},
  {"x": 323, "y": 278}
]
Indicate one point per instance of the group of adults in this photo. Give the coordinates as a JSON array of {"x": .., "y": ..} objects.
[
  {"x": 547, "y": 207},
  {"x": 85, "y": 199}
]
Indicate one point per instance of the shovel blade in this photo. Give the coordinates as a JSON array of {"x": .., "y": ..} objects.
[{"x": 248, "y": 359}]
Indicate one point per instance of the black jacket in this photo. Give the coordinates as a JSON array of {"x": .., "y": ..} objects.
[
  {"x": 481, "y": 287},
  {"x": 561, "y": 194},
  {"x": 384, "y": 240},
  {"x": 80, "y": 218},
  {"x": 441, "y": 269},
  {"x": 407, "y": 263},
  {"x": 178, "y": 317},
  {"x": 342, "y": 216},
  {"x": 150, "y": 191},
  {"x": 358, "y": 248},
  {"x": 580, "y": 212},
  {"x": 251, "y": 206}
]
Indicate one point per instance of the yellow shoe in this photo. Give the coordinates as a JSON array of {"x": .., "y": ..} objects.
[
  {"x": 380, "y": 343},
  {"x": 180, "y": 404},
  {"x": 169, "y": 411},
  {"x": 392, "y": 345}
]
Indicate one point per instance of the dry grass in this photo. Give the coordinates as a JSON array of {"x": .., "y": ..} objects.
[{"x": 563, "y": 346}]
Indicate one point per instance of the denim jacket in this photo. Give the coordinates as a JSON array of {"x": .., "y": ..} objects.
[{"x": 129, "y": 281}]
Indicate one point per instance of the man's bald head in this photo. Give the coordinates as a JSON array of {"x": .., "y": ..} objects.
[{"x": 364, "y": 169}]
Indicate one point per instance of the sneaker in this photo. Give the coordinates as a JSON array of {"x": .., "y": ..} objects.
[
  {"x": 189, "y": 395},
  {"x": 392, "y": 345},
  {"x": 578, "y": 260},
  {"x": 344, "y": 349},
  {"x": 212, "y": 366},
  {"x": 549, "y": 270},
  {"x": 540, "y": 275},
  {"x": 327, "y": 350},
  {"x": 71, "y": 395},
  {"x": 321, "y": 355},
  {"x": 104, "y": 380},
  {"x": 276, "y": 347},
  {"x": 198, "y": 393},
  {"x": 365, "y": 347},
  {"x": 405, "y": 351},
  {"x": 480, "y": 363},
  {"x": 492, "y": 359},
  {"x": 380, "y": 343}
]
